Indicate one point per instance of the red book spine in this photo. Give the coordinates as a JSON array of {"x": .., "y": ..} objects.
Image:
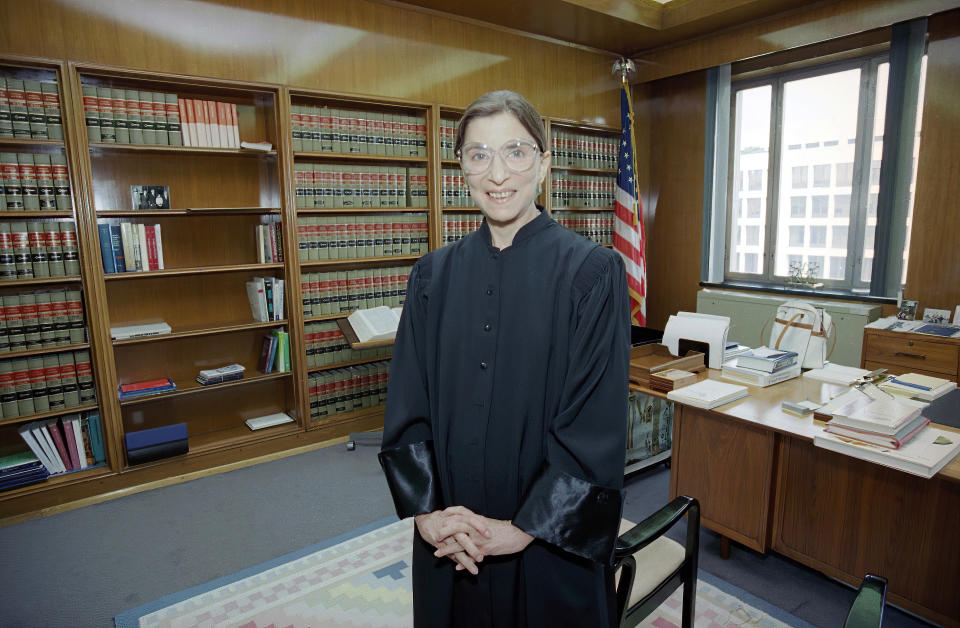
[
  {"x": 71, "y": 442},
  {"x": 153, "y": 260},
  {"x": 212, "y": 124},
  {"x": 57, "y": 437},
  {"x": 154, "y": 383},
  {"x": 184, "y": 126}
]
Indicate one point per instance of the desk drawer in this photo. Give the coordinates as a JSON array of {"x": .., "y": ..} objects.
[{"x": 936, "y": 357}]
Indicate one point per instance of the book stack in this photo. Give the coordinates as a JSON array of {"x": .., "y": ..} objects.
[
  {"x": 581, "y": 190},
  {"x": 329, "y": 129},
  {"x": 30, "y": 109},
  {"x": 31, "y": 250},
  {"x": 266, "y": 297},
  {"x": 135, "y": 390},
  {"x": 596, "y": 226},
  {"x": 734, "y": 349},
  {"x": 457, "y": 226},
  {"x": 130, "y": 116},
  {"x": 326, "y": 346},
  {"x": 275, "y": 353},
  {"x": 229, "y": 373},
  {"x": 355, "y": 236},
  {"x": 130, "y": 247},
  {"x": 336, "y": 391},
  {"x": 34, "y": 320},
  {"x": 916, "y": 386},
  {"x": 268, "y": 420},
  {"x": 454, "y": 191},
  {"x": 929, "y": 451},
  {"x": 581, "y": 150},
  {"x": 156, "y": 443},
  {"x": 762, "y": 367},
  {"x": 21, "y": 469},
  {"x": 68, "y": 443},
  {"x": 210, "y": 124},
  {"x": 707, "y": 394},
  {"x": 270, "y": 243},
  {"x": 836, "y": 374},
  {"x": 45, "y": 383},
  {"x": 885, "y": 421},
  {"x": 671, "y": 379},
  {"x": 343, "y": 291},
  {"x": 351, "y": 186},
  {"x": 34, "y": 182},
  {"x": 448, "y": 138}
]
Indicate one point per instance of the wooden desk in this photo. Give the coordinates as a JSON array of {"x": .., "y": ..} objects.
[
  {"x": 905, "y": 352},
  {"x": 761, "y": 482}
]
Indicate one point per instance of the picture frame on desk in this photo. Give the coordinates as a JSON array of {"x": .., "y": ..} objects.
[
  {"x": 933, "y": 315},
  {"x": 908, "y": 310},
  {"x": 956, "y": 315}
]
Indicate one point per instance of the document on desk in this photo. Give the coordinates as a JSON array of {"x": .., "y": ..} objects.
[
  {"x": 707, "y": 394},
  {"x": 925, "y": 455}
]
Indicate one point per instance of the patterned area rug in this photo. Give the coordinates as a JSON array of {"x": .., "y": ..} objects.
[{"x": 362, "y": 579}]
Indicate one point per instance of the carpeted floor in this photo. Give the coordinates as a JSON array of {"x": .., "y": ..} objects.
[{"x": 80, "y": 568}]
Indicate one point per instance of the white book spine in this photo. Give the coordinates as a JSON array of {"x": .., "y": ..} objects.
[{"x": 78, "y": 440}]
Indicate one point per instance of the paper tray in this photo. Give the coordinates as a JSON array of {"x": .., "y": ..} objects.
[{"x": 652, "y": 358}]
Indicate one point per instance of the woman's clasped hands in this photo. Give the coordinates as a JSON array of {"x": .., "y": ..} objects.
[{"x": 466, "y": 537}]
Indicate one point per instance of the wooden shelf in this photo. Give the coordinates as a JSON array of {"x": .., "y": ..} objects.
[
  {"x": 48, "y": 213},
  {"x": 190, "y": 211},
  {"x": 450, "y": 162},
  {"x": 26, "y": 141},
  {"x": 174, "y": 150},
  {"x": 358, "y": 157},
  {"x": 606, "y": 171},
  {"x": 400, "y": 259},
  {"x": 326, "y": 317},
  {"x": 461, "y": 209},
  {"x": 207, "y": 270},
  {"x": 347, "y": 416},
  {"x": 27, "y": 418},
  {"x": 192, "y": 387},
  {"x": 40, "y": 281},
  {"x": 361, "y": 210},
  {"x": 582, "y": 209},
  {"x": 340, "y": 365},
  {"x": 42, "y": 351},
  {"x": 57, "y": 481},
  {"x": 235, "y": 437},
  {"x": 200, "y": 331}
]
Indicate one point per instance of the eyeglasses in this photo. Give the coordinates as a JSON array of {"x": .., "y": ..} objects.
[{"x": 518, "y": 155}]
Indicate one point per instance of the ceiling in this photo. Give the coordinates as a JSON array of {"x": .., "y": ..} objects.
[{"x": 621, "y": 27}]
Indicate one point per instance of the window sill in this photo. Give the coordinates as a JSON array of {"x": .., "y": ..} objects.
[{"x": 798, "y": 292}]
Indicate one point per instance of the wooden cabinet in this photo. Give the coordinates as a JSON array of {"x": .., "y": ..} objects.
[{"x": 903, "y": 352}]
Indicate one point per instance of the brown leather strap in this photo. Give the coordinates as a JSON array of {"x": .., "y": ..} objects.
[
  {"x": 790, "y": 323},
  {"x": 787, "y": 325}
]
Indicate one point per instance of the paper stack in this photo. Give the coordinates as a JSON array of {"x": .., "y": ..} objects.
[{"x": 707, "y": 394}]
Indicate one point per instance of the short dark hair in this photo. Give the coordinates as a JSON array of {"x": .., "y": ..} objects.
[{"x": 504, "y": 101}]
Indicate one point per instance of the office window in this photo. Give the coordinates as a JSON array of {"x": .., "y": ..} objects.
[
  {"x": 801, "y": 130},
  {"x": 821, "y": 206},
  {"x": 815, "y": 262},
  {"x": 753, "y": 235},
  {"x": 750, "y": 262}
]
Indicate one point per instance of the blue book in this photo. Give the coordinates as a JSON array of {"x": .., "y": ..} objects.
[
  {"x": 106, "y": 249},
  {"x": 116, "y": 243},
  {"x": 96, "y": 437},
  {"x": 156, "y": 436}
]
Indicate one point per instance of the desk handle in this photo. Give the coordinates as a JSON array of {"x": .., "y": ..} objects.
[{"x": 919, "y": 356}]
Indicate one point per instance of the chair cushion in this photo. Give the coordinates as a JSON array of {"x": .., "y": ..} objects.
[{"x": 655, "y": 563}]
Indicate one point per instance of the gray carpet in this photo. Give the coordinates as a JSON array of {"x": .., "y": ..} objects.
[{"x": 80, "y": 568}]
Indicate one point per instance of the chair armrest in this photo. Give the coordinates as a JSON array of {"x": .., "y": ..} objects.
[
  {"x": 867, "y": 608},
  {"x": 648, "y": 530}
]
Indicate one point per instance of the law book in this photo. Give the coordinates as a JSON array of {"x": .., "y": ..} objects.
[
  {"x": 85, "y": 383},
  {"x": 6, "y": 124},
  {"x": 108, "y": 131},
  {"x": 46, "y": 196},
  {"x": 17, "y": 101},
  {"x": 224, "y": 124},
  {"x": 61, "y": 182},
  {"x": 118, "y": 103},
  {"x": 160, "y": 123},
  {"x": 38, "y": 249},
  {"x": 882, "y": 416},
  {"x": 148, "y": 124},
  {"x": 766, "y": 359},
  {"x": 377, "y": 323},
  {"x": 29, "y": 317},
  {"x": 68, "y": 380},
  {"x": 131, "y": 108},
  {"x": 35, "y": 111},
  {"x": 174, "y": 123},
  {"x": 707, "y": 394},
  {"x": 27, "y": 173},
  {"x": 203, "y": 122},
  {"x": 925, "y": 455}
]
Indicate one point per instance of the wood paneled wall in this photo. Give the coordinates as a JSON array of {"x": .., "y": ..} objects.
[
  {"x": 348, "y": 46},
  {"x": 933, "y": 272}
]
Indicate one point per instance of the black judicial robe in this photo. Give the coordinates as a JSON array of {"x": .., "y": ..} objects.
[{"x": 508, "y": 395}]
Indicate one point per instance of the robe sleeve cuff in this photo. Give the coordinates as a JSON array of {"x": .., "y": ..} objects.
[
  {"x": 411, "y": 472},
  {"x": 572, "y": 514}
]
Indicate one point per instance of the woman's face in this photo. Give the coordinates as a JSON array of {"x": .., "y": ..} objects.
[{"x": 504, "y": 196}]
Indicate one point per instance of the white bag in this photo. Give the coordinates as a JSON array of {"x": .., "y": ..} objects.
[{"x": 801, "y": 327}]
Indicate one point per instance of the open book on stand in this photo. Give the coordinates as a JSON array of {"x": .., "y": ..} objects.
[{"x": 377, "y": 323}]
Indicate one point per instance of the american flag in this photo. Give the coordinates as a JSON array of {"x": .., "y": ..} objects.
[{"x": 628, "y": 237}]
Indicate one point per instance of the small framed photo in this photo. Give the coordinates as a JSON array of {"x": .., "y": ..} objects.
[
  {"x": 150, "y": 196},
  {"x": 908, "y": 310},
  {"x": 956, "y": 316},
  {"x": 940, "y": 317}
]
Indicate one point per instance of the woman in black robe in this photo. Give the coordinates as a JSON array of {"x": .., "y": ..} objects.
[{"x": 505, "y": 422}]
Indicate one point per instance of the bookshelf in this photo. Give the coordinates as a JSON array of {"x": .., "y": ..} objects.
[{"x": 218, "y": 197}]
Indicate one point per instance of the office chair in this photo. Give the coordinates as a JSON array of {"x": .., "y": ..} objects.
[
  {"x": 663, "y": 563},
  {"x": 867, "y": 608}
]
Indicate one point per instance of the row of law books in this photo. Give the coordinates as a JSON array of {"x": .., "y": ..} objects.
[
  {"x": 275, "y": 353},
  {"x": 585, "y": 190},
  {"x": 326, "y": 346},
  {"x": 266, "y": 296},
  {"x": 210, "y": 124},
  {"x": 356, "y": 236},
  {"x": 340, "y": 390},
  {"x": 34, "y": 182},
  {"x": 35, "y": 320},
  {"x": 580, "y": 150},
  {"x": 269, "y": 243},
  {"x": 30, "y": 109},
  {"x": 68, "y": 443},
  {"x": 131, "y": 116},
  {"x": 454, "y": 191},
  {"x": 30, "y": 250},
  {"x": 596, "y": 226},
  {"x": 45, "y": 383},
  {"x": 332, "y": 130},
  {"x": 344, "y": 291},
  {"x": 762, "y": 366},
  {"x": 130, "y": 247},
  {"x": 457, "y": 226},
  {"x": 448, "y": 138},
  {"x": 328, "y": 185}
]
